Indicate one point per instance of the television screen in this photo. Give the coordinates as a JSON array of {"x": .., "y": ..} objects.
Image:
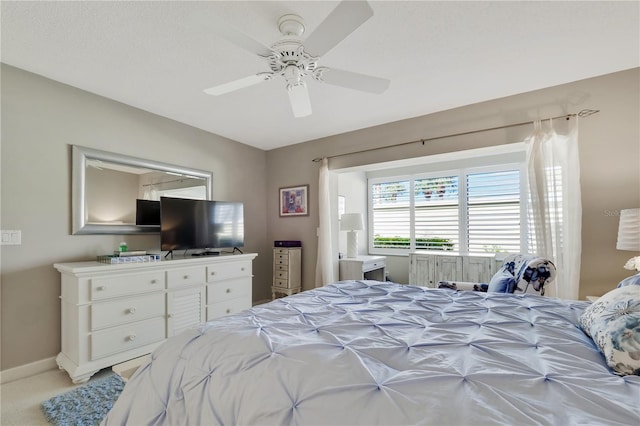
[
  {"x": 200, "y": 224},
  {"x": 147, "y": 212}
]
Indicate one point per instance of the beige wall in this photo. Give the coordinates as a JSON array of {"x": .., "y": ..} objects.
[
  {"x": 40, "y": 120},
  {"x": 609, "y": 156}
]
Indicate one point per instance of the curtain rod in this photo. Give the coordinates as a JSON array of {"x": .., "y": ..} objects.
[{"x": 583, "y": 113}]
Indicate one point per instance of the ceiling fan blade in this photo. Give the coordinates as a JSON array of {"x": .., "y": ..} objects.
[
  {"x": 240, "y": 39},
  {"x": 237, "y": 84},
  {"x": 354, "y": 80},
  {"x": 299, "y": 99},
  {"x": 341, "y": 22}
]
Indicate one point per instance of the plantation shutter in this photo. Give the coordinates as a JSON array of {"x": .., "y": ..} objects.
[
  {"x": 391, "y": 209},
  {"x": 493, "y": 211},
  {"x": 468, "y": 210},
  {"x": 436, "y": 213}
]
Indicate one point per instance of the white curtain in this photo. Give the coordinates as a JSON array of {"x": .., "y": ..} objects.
[
  {"x": 556, "y": 208},
  {"x": 324, "y": 264}
]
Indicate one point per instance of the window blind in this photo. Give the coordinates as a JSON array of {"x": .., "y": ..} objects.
[
  {"x": 468, "y": 211},
  {"x": 493, "y": 212}
]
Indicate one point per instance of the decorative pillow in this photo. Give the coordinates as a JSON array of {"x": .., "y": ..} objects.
[
  {"x": 613, "y": 322},
  {"x": 632, "y": 280},
  {"x": 502, "y": 282}
]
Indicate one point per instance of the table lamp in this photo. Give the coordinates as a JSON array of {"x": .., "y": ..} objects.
[
  {"x": 629, "y": 230},
  {"x": 629, "y": 235},
  {"x": 352, "y": 222}
]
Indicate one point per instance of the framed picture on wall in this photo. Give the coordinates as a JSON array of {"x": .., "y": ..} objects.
[{"x": 294, "y": 201}]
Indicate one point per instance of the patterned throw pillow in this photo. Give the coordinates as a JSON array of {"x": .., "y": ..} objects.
[
  {"x": 502, "y": 282},
  {"x": 613, "y": 322},
  {"x": 632, "y": 280}
]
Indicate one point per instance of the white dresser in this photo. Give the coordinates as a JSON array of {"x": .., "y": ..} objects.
[
  {"x": 428, "y": 268},
  {"x": 113, "y": 313},
  {"x": 287, "y": 271}
]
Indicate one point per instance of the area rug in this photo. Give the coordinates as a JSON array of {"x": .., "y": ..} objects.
[{"x": 85, "y": 405}]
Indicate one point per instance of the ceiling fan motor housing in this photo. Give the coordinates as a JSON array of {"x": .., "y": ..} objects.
[{"x": 290, "y": 52}]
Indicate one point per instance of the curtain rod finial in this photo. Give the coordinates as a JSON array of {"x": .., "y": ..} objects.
[{"x": 317, "y": 160}]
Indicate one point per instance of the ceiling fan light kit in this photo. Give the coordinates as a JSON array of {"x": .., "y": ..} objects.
[{"x": 294, "y": 60}]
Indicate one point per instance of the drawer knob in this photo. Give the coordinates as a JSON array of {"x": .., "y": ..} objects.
[
  {"x": 169, "y": 315},
  {"x": 228, "y": 290},
  {"x": 228, "y": 311},
  {"x": 213, "y": 272},
  {"x": 242, "y": 269},
  {"x": 131, "y": 310},
  {"x": 101, "y": 288},
  {"x": 186, "y": 277},
  {"x": 154, "y": 281},
  {"x": 131, "y": 337}
]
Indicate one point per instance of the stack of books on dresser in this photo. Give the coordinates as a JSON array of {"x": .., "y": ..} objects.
[{"x": 133, "y": 256}]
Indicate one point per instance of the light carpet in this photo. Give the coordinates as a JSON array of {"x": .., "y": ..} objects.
[{"x": 85, "y": 405}]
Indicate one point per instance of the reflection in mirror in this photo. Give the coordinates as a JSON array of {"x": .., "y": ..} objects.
[{"x": 118, "y": 194}]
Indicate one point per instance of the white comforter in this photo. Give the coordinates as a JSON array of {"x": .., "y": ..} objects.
[{"x": 365, "y": 352}]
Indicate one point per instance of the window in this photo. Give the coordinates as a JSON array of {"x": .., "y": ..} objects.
[{"x": 471, "y": 210}]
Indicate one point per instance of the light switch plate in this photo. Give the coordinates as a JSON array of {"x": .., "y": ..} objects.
[{"x": 11, "y": 237}]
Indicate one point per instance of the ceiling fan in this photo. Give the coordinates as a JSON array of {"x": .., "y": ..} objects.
[{"x": 294, "y": 60}]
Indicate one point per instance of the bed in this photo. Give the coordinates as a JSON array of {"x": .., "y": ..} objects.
[{"x": 368, "y": 352}]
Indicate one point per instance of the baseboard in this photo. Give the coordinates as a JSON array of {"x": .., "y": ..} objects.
[{"x": 27, "y": 370}]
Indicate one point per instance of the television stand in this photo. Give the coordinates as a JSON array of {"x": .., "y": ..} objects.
[{"x": 207, "y": 253}]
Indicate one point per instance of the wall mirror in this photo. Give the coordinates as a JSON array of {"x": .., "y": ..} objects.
[{"x": 119, "y": 194}]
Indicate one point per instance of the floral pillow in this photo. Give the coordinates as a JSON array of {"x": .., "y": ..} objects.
[
  {"x": 613, "y": 322},
  {"x": 632, "y": 280},
  {"x": 502, "y": 282}
]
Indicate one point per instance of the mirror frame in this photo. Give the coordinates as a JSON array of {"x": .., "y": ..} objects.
[{"x": 79, "y": 157}]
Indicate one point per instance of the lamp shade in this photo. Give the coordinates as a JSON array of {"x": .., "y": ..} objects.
[
  {"x": 629, "y": 230},
  {"x": 351, "y": 222}
]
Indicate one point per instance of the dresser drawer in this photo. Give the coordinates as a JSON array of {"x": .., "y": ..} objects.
[
  {"x": 230, "y": 289},
  {"x": 284, "y": 284},
  {"x": 121, "y": 285},
  {"x": 228, "y": 270},
  {"x": 126, "y": 337},
  {"x": 280, "y": 275},
  {"x": 186, "y": 276},
  {"x": 123, "y": 311},
  {"x": 281, "y": 259},
  {"x": 227, "y": 307},
  {"x": 284, "y": 268},
  {"x": 370, "y": 265}
]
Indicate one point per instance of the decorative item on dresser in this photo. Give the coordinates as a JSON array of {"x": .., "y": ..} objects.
[
  {"x": 287, "y": 268},
  {"x": 363, "y": 268},
  {"x": 428, "y": 268},
  {"x": 114, "y": 313}
]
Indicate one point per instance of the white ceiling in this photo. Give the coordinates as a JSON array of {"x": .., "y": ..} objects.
[{"x": 159, "y": 56}]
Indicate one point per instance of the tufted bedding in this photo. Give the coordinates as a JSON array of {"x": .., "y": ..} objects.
[{"x": 366, "y": 352}]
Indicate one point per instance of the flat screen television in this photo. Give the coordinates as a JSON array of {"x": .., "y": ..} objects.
[
  {"x": 204, "y": 225},
  {"x": 147, "y": 212}
]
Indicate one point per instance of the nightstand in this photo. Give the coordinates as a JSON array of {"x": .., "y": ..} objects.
[{"x": 363, "y": 268}]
